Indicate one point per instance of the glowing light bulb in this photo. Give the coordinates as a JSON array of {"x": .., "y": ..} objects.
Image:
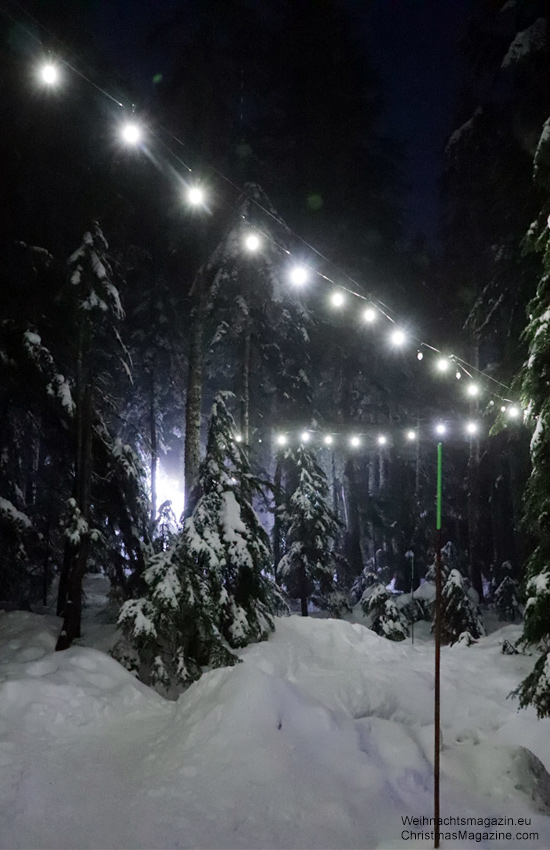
[
  {"x": 503, "y": 408},
  {"x": 443, "y": 364},
  {"x": 238, "y": 438},
  {"x": 411, "y": 435},
  {"x": 298, "y": 275},
  {"x": 440, "y": 429},
  {"x": 327, "y": 440},
  {"x": 131, "y": 133},
  {"x": 382, "y": 440},
  {"x": 337, "y": 299},
  {"x": 472, "y": 428},
  {"x": 369, "y": 315},
  {"x": 306, "y": 436},
  {"x": 281, "y": 440},
  {"x": 195, "y": 196},
  {"x": 472, "y": 390},
  {"x": 398, "y": 337},
  {"x": 252, "y": 242},
  {"x": 513, "y": 412},
  {"x": 49, "y": 74},
  {"x": 355, "y": 441},
  {"x": 420, "y": 355},
  {"x": 458, "y": 375}
]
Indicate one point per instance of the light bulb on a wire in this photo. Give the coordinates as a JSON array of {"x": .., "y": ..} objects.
[
  {"x": 131, "y": 133},
  {"x": 196, "y": 196},
  {"x": 398, "y": 337},
  {"x": 299, "y": 275},
  {"x": 49, "y": 74},
  {"x": 337, "y": 299},
  {"x": 252, "y": 242}
]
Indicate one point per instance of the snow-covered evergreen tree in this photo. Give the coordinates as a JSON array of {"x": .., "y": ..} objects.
[
  {"x": 534, "y": 380},
  {"x": 209, "y": 593},
  {"x": 459, "y": 613},
  {"x": 385, "y": 617},
  {"x": 310, "y": 526}
]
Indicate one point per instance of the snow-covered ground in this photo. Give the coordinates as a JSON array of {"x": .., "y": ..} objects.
[{"x": 322, "y": 738}]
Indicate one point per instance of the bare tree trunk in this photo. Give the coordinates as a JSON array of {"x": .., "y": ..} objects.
[
  {"x": 474, "y": 497},
  {"x": 193, "y": 406}
]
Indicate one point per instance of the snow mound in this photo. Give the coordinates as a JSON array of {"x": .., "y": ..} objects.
[{"x": 321, "y": 738}]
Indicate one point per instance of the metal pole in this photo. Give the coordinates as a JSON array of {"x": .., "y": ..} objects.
[{"x": 437, "y": 683}]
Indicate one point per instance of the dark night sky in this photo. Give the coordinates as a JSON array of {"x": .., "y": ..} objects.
[{"x": 413, "y": 45}]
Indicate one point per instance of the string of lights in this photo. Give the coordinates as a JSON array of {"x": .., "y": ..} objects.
[
  {"x": 376, "y": 436},
  {"x": 300, "y": 274}
]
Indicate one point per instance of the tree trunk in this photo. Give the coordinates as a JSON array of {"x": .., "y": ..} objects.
[
  {"x": 302, "y": 585},
  {"x": 474, "y": 495},
  {"x": 154, "y": 453},
  {"x": 76, "y": 567},
  {"x": 245, "y": 385},
  {"x": 277, "y": 496},
  {"x": 474, "y": 516},
  {"x": 193, "y": 405}
]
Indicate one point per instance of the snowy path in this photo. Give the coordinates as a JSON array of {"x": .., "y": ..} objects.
[{"x": 322, "y": 738}]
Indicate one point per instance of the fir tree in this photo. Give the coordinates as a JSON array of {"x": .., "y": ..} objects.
[
  {"x": 385, "y": 617},
  {"x": 506, "y": 600},
  {"x": 534, "y": 379},
  {"x": 310, "y": 527},
  {"x": 209, "y": 593},
  {"x": 459, "y": 613}
]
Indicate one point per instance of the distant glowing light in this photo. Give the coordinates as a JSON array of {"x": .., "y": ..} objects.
[
  {"x": 398, "y": 337},
  {"x": 420, "y": 355},
  {"x": 472, "y": 390},
  {"x": 458, "y": 375},
  {"x": 131, "y": 133},
  {"x": 443, "y": 364},
  {"x": 327, "y": 440},
  {"x": 503, "y": 408},
  {"x": 472, "y": 428},
  {"x": 169, "y": 490},
  {"x": 49, "y": 74},
  {"x": 369, "y": 315},
  {"x": 337, "y": 299},
  {"x": 238, "y": 438},
  {"x": 306, "y": 437},
  {"x": 281, "y": 440},
  {"x": 440, "y": 429},
  {"x": 299, "y": 275},
  {"x": 252, "y": 242},
  {"x": 355, "y": 442},
  {"x": 382, "y": 440},
  {"x": 513, "y": 412},
  {"x": 411, "y": 435},
  {"x": 196, "y": 196}
]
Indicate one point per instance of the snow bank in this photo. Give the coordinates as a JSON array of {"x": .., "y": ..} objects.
[{"x": 321, "y": 738}]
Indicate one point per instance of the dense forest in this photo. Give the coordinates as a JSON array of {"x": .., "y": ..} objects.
[{"x": 143, "y": 337}]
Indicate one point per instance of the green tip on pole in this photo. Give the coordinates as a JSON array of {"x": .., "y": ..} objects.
[{"x": 439, "y": 483}]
